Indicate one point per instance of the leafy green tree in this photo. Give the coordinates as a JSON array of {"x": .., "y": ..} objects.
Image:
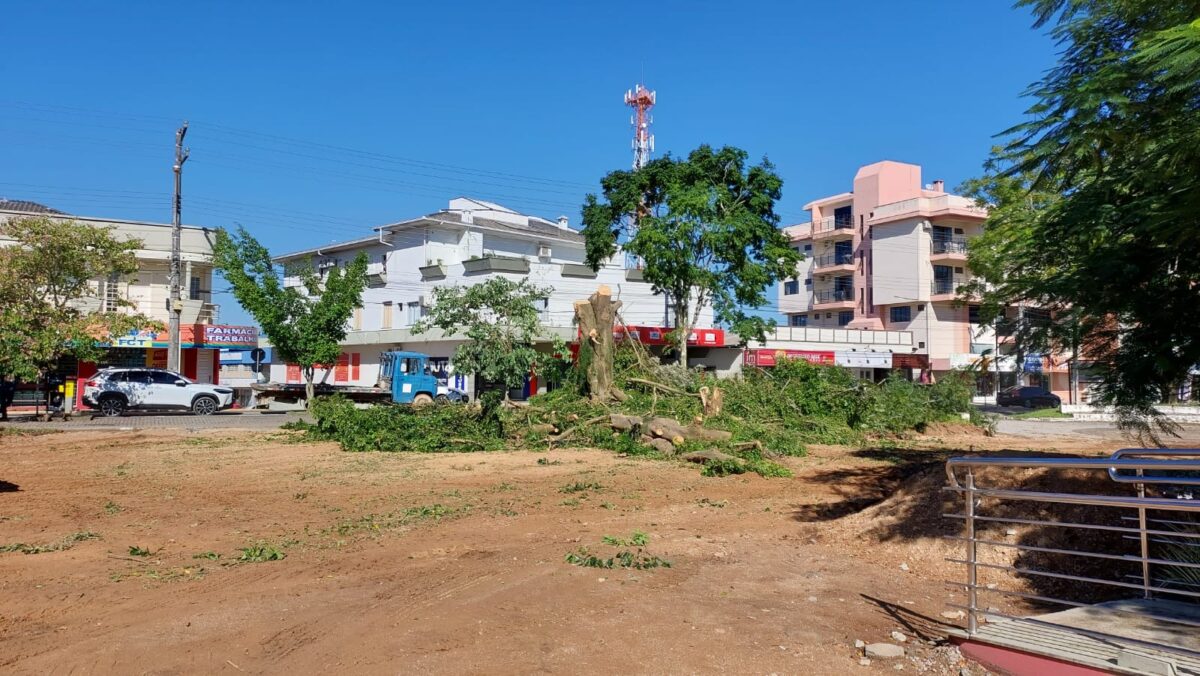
[
  {"x": 305, "y": 323},
  {"x": 707, "y": 230},
  {"x": 500, "y": 320},
  {"x": 52, "y": 273},
  {"x": 1096, "y": 199}
]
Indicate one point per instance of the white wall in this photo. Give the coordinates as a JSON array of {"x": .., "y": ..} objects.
[{"x": 900, "y": 262}]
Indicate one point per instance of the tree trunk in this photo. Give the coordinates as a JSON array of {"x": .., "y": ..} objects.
[
  {"x": 309, "y": 390},
  {"x": 683, "y": 328},
  {"x": 595, "y": 316}
]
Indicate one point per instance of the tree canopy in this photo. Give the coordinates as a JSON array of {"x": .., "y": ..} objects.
[
  {"x": 706, "y": 229},
  {"x": 305, "y": 323},
  {"x": 501, "y": 322},
  {"x": 52, "y": 300},
  {"x": 1096, "y": 198}
]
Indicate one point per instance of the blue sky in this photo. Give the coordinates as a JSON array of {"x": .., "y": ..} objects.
[{"x": 312, "y": 122}]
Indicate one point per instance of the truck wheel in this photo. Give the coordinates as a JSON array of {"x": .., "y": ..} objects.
[
  {"x": 443, "y": 399},
  {"x": 422, "y": 399},
  {"x": 111, "y": 406}
]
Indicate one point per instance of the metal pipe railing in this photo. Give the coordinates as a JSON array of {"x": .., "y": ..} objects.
[{"x": 1143, "y": 468}]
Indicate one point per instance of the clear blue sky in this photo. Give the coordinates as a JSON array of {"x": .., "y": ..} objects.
[{"x": 313, "y": 122}]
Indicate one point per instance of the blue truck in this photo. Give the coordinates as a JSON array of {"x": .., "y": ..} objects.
[{"x": 404, "y": 377}]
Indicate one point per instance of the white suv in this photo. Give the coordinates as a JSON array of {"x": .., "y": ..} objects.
[{"x": 113, "y": 391}]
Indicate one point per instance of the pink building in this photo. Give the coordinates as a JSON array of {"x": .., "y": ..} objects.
[{"x": 889, "y": 256}]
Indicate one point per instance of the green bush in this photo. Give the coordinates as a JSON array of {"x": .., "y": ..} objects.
[{"x": 394, "y": 427}]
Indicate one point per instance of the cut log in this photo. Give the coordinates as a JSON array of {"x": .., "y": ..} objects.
[
  {"x": 668, "y": 428},
  {"x": 543, "y": 428},
  {"x": 661, "y": 445},
  {"x": 595, "y": 316},
  {"x": 625, "y": 423}
]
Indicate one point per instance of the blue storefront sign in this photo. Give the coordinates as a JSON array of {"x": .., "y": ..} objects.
[{"x": 1033, "y": 363}]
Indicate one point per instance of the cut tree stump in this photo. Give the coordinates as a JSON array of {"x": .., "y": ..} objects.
[{"x": 595, "y": 316}]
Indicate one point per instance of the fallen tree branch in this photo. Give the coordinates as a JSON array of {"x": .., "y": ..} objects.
[
  {"x": 664, "y": 388},
  {"x": 567, "y": 433}
]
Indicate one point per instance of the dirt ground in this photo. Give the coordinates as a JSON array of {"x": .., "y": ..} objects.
[{"x": 454, "y": 563}]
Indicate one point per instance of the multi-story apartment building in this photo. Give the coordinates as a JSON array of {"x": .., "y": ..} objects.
[
  {"x": 468, "y": 242},
  {"x": 148, "y": 293},
  {"x": 890, "y": 256}
]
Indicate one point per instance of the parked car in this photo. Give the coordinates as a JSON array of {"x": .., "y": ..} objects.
[
  {"x": 113, "y": 391},
  {"x": 1029, "y": 397},
  {"x": 445, "y": 394}
]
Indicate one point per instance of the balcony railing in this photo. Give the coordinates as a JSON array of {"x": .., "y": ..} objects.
[
  {"x": 834, "y": 295},
  {"x": 830, "y": 260},
  {"x": 830, "y": 223},
  {"x": 956, "y": 245},
  {"x": 942, "y": 286}
]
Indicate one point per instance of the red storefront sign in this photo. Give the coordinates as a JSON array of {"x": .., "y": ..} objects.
[
  {"x": 767, "y": 357},
  {"x": 657, "y": 335}
]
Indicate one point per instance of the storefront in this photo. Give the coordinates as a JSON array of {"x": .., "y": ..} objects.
[{"x": 200, "y": 353}]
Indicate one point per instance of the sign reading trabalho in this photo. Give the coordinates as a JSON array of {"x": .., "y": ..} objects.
[{"x": 230, "y": 336}]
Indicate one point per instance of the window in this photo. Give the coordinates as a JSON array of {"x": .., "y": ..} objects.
[
  {"x": 112, "y": 294},
  {"x": 799, "y": 320},
  {"x": 973, "y": 314},
  {"x": 414, "y": 313},
  {"x": 808, "y": 283},
  {"x": 163, "y": 378},
  {"x": 387, "y": 315},
  {"x": 901, "y": 314},
  {"x": 194, "y": 289},
  {"x": 791, "y": 287},
  {"x": 358, "y": 319},
  {"x": 845, "y": 317}
]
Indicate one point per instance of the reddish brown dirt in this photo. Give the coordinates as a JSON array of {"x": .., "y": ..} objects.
[{"x": 768, "y": 575}]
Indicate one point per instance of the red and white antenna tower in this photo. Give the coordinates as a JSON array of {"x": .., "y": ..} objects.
[{"x": 641, "y": 100}]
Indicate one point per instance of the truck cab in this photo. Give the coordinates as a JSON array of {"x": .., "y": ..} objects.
[{"x": 408, "y": 376}]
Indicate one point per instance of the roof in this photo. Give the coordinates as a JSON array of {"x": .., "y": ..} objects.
[
  {"x": 26, "y": 206},
  {"x": 535, "y": 225}
]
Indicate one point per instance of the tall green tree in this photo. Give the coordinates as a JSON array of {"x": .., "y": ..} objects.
[
  {"x": 53, "y": 274},
  {"x": 305, "y": 323},
  {"x": 706, "y": 229},
  {"x": 501, "y": 322},
  {"x": 1114, "y": 136}
]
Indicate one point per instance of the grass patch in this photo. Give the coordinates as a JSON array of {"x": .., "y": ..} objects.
[
  {"x": 259, "y": 552},
  {"x": 581, "y": 487},
  {"x": 135, "y": 550},
  {"x": 1041, "y": 413},
  {"x": 631, "y": 554},
  {"x": 63, "y": 544}
]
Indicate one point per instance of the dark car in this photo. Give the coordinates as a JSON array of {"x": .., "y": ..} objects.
[{"x": 1029, "y": 397}]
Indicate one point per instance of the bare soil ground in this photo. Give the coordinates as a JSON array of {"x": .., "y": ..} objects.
[{"x": 454, "y": 563}]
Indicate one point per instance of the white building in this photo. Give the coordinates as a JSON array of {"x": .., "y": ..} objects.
[
  {"x": 147, "y": 292},
  {"x": 466, "y": 243}
]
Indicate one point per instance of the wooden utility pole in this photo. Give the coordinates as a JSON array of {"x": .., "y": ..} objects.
[{"x": 175, "y": 306}]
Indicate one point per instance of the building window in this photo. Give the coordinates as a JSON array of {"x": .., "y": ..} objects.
[
  {"x": 791, "y": 287},
  {"x": 358, "y": 319},
  {"x": 808, "y": 283},
  {"x": 194, "y": 289},
  {"x": 112, "y": 293},
  {"x": 414, "y": 313},
  {"x": 845, "y": 317},
  {"x": 808, "y": 249},
  {"x": 973, "y": 314},
  {"x": 901, "y": 314},
  {"x": 799, "y": 320},
  {"x": 387, "y": 315}
]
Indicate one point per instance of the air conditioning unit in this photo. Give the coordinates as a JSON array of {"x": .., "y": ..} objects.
[
  {"x": 543, "y": 251},
  {"x": 421, "y": 301}
]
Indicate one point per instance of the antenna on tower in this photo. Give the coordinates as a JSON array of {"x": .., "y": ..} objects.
[{"x": 641, "y": 100}]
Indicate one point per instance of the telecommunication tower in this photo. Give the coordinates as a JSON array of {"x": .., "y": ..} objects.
[{"x": 641, "y": 100}]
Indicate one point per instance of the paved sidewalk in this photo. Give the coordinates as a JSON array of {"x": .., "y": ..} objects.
[{"x": 253, "y": 420}]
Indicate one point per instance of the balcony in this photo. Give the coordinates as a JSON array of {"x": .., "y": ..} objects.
[
  {"x": 948, "y": 249},
  {"x": 199, "y": 312},
  {"x": 834, "y": 262},
  {"x": 945, "y": 289},
  {"x": 834, "y": 298},
  {"x": 833, "y": 228},
  {"x": 929, "y": 207},
  {"x": 496, "y": 264}
]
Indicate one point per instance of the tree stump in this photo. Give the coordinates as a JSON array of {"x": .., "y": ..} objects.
[{"x": 596, "y": 316}]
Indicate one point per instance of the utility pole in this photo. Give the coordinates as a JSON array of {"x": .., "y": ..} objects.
[{"x": 175, "y": 306}]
